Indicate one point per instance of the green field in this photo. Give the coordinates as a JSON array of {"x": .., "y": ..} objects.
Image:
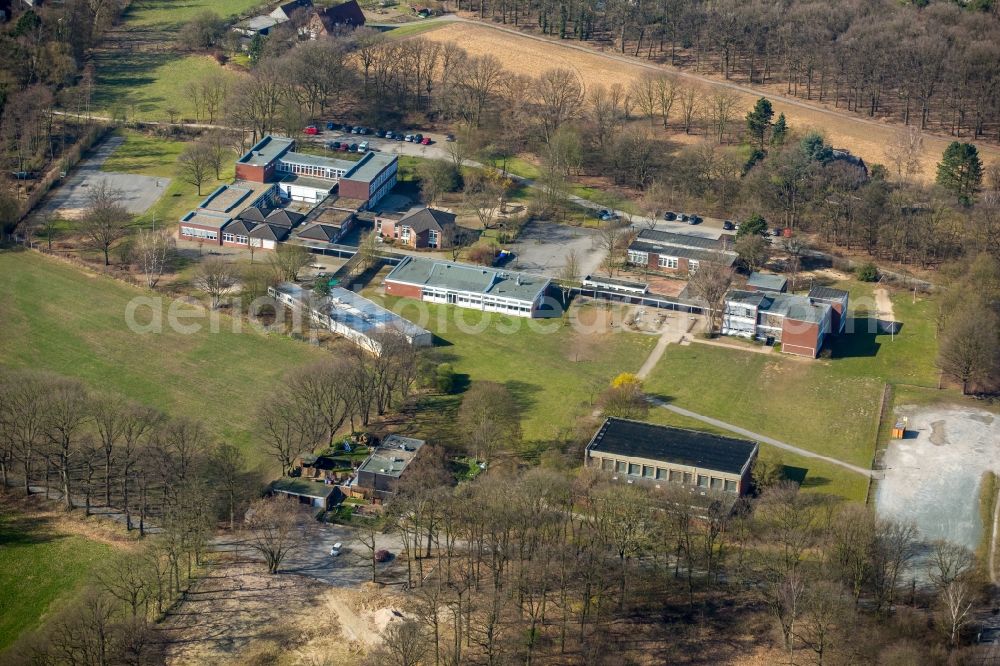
[
  {"x": 144, "y": 85},
  {"x": 170, "y": 15},
  {"x": 56, "y": 317},
  {"x": 39, "y": 566},
  {"x": 152, "y": 156},
  {"x": 554, "y": 374}
]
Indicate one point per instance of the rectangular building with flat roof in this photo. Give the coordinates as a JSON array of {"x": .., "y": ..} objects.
[
  {"x": 380, "y": 473},
  {"x": 656, "y": 455},
  {"x": 467, "y": 286},
  {"x": 799, "y": 323},
  {"x": 674, "y": 253}
]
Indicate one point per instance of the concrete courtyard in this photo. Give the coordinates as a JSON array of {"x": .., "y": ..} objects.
[
  {"x": 542, "y": 247},
  {"x": 69, "y": 199},
  {"x": 932, "y": 477}
]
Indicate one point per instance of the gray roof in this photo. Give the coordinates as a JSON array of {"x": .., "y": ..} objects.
[
  {"x": 204, "y": 218},
  {"x": 267, "y": 150},
  {"x": 321, "y": 232},
  {"x": 302, "y": 487},
  {"x": 370, "y": 166},
  {"x": 767, "y": 281},
  {"x": 421, "y": 219},
  {"x": 680, "y": 240},
  {"x": 726, "y": 258},
  {"x": 791, "y": 306},
  {"x": 275, "y": 232},
  {"x": 308, "y": 181},
  {"x": 392, "y": 456},
  {"x": 240, "y": 227},
  {"x": 828, "y": 294},
  {"x": 306, "y": 159},
  {"x": 464, "y": 277},
  {"x": 226, "y": 197},
  {"x": 283, "y": 217},
  {"x": 258, "y": 23}
]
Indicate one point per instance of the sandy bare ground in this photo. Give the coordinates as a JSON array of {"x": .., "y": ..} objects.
[{"x": 530, "y": 55}]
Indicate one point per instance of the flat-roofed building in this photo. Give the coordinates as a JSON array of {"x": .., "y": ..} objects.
[
  {"x": 371, "y": 178},
  {"x": 655, "y": 455},
  {"x": 838, "y": 299},
  {"x": 474, "y": 287},
  {"x": 380, "y": 473},
  {"x": 800, "y": 324},
  {"x": 350, "y": 315},
  {"x": 674, "y": 253},
  {"x": 767, "y": 282}
]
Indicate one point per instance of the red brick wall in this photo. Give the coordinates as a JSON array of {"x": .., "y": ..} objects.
[
  {"x": 653, "y": 264},
  {"x": 799, "y": 338},
  {"x": 403, "y": 290},
  {"x": 255, "y": 174},
  {"x": 354, "y": 189}
]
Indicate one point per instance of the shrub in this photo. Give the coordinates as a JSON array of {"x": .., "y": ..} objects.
[
  {"x": 444, "y": 378},
  {"x": 867, "y": 272}
]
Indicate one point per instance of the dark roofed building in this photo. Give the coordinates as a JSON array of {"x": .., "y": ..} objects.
[
  {"x": 767, "y": 282},
  {"x": 284, "y": 218},
  {"x": 675, "y": 253},
  {"x": 255, "y": 215},
  {"x": 380, "y": 473},
  {"x": 268, "y": 236},
  {"x": 329, "y": 21},
  {"x": 320, "y": 232},
  {"x": 639, "y": 452},
  {"x": 419, "y": 227},
  {"x": 306, "y": 492},
  {"x": 286, "y": 11}
]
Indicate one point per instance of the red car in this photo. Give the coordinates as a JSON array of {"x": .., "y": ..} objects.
[
  {"x": 426, "y": 141},
  {"x": 311, "y": 130}
]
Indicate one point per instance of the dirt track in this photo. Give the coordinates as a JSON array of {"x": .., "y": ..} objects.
[{"x": 531, "y": 55}]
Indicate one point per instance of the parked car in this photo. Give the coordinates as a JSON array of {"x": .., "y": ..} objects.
[
  {"x": 408, "y": 137},
  {"x": 353, "y": 148},
  {"x": 417, "y": 138},
  {"x": 363, "y": 147},
  {"x": 603, "y": 213},
  {"x": 355, "y": 130},
  {"x": 335, "y": 550},
  {"x": 312, "y": 130},
  {"x": 389, "y": 135},
  {"x": 776, "y": 232},
  {"x": 426, "y": 141},
  {"x": 334, "y": 145},
  {"x": 449, "y": 137},
  {"x": 694, "y": 219},
  {"x": 669, "y": 216},
  {"x": 398, "y": 135},
  {"x": 344, "y": 145},
  {"x": 382, "y": 555},
  {"x": 330, "y": 125},
  {"x": 503, "y": 257},
  {"x": 23, "y": 175},
  {"x": 682, "y": 217},
  {"x": 380, "y": 133},
  {"x": 728, "y": 225}
]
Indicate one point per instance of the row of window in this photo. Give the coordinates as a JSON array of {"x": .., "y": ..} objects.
[
  {"x": 199, "y": 233},
  {"x": 311, "y": 170},
  {"x": 668, "y": 475},
  {"x": 663, "y": 261},
  {"x": 235, "y": 238}
]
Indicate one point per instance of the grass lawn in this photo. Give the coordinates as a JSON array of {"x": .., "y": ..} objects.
[
  {"x": 798, "y": 401},
  {"x": 153, "y": 156},
  {"x": 57, "y": 317},
  {"x": 554, "y": 373},
  {"x": 170, "y": 15},
  {"x": 144, "y": 84},
  {"x": 39, "y": 566},
  {"x": 415, "y": 28}
]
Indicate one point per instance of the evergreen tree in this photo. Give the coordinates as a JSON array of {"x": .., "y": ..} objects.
[
  {"x": 759, "y": 120},
  {"x": 256, "y": 49},
  {"x": 779, "y": 131},
  {"x": 960, "y": 171}
]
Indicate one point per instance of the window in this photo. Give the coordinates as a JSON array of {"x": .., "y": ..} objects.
[
  {"x": 432, "y": 238},
  {"x": 692, "y": 265},
  {"x": 639, "y": 258},
  {"x": 622, "y": 466},
  {"x": 730, "y": 486},
  {"x": 229, "y": 238},
  {"x": 405, "y": 235},
  {"x": 667, "y": 262},
  {"x": 702, "y": 481},
  {"x": 716, "y": 484},
  {"x": 607, "y": 464},
  {"x": 676, "y": 476},
  {"x": 688, "y": 478},
  {"x": 648, "y": 472},
  {"x": 634, "y": 470},
  {"x": 661, "y": 474}
]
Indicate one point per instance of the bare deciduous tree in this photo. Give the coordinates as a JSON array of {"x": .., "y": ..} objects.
[
  {"x": 105, "y": 220},
  {"x": 216, "y": 278},
  {"x": 273, "y": 530},
  {"x": 154, "y": 251}
]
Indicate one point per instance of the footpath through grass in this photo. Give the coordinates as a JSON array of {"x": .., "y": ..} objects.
[
  {"x": 39, "y": 566},
  {"x": 551, "y": 368},
  {"x": 54, "y": 316}
]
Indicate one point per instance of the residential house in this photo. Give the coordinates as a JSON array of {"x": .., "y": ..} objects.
[
  {"x": 799, "y": 323},
  {"x": 380, "y": 473},
  {"x": 288, "y": 11},
  {"x": 330, "y": 21},
  {"x": 677, "y": 254},
  {"x": 474, "y": 287},
  {"x": 419, "y": 227},
  {"x": 255, "y": 25},
  {"x": 655, "y": 455},
  {"x": 350, "y": 315},
  {"x": 767, "y": 282}
]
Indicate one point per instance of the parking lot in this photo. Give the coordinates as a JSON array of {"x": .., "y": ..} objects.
[
  {"x": 542, "y": 248},
  {"x": 932, "y": 477}
]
